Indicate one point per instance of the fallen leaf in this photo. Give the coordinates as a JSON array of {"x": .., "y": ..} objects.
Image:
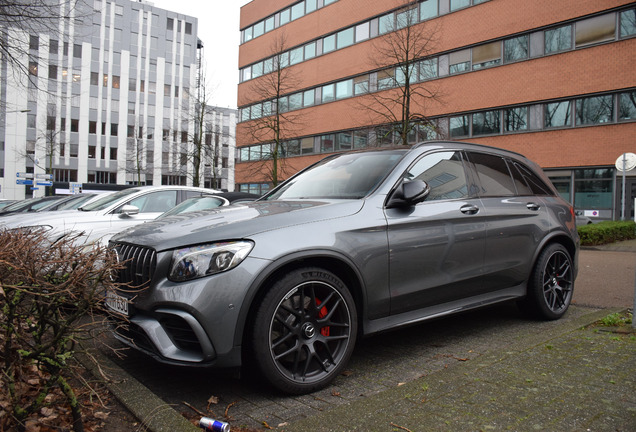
[{"x": 101, "y": 415}]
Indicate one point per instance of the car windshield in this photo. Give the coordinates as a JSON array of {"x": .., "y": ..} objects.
[
  {"x": 75, "y": 202},
  {"x": 195, "y": 204},
  {"x": 346, "y": 176},
  {"x": 106, "y": 201}
]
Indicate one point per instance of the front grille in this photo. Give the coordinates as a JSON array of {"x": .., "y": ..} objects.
[{"x": 139, "y": 264}]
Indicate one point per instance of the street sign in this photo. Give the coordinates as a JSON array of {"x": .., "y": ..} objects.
[
  {"x": 24, "y": 182},
  {"x": 44, "y": 176},
  {"x": 44, "y": 183},
  {"x": 24, "y": 175}
]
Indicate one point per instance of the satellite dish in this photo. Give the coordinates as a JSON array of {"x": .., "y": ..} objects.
[{"x": 629, "y": 160}]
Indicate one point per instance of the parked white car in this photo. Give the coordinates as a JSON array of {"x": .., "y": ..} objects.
[{"x": 98, "y": 220}]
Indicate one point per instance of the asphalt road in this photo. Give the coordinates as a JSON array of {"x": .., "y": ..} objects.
[{"x": 381, "y": 362}]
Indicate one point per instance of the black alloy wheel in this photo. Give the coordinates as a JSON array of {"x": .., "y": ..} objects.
[
  {"x": 305, "y": 330},
  {"x": 551, "y": 285}
]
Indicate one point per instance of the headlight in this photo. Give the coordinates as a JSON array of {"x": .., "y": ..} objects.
[{"x": 204, "y": 260}]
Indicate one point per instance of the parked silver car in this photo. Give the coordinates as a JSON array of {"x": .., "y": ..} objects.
[
  {"x": 100, "y": 219},
  {"x": 356, "y": 244}
]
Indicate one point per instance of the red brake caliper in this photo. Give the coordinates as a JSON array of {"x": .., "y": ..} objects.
[{"x": 321, "y": 314}]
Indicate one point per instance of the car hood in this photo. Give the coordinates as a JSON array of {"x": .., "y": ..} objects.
[{"x": 233, "y": 222}]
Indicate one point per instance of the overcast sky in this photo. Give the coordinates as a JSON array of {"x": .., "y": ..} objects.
[{"x": 219, "y": 31}]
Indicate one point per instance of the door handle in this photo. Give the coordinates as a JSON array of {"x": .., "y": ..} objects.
[
  {"x": 469, "y": 209},
  {"x": 533, "y": 206}
]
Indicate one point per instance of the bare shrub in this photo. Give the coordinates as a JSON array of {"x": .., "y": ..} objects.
[{"x": 47, "y": 290}]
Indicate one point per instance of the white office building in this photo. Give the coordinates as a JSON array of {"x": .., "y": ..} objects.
[{"x": 110, "y": 98}]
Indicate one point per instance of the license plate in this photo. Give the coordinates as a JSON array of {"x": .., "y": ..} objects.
[{"x": 117, "y": 303}]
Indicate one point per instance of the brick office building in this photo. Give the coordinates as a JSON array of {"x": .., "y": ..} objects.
[{"x": 555, "y": 81}]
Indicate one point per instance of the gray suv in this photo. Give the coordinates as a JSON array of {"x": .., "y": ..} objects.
[{"x": 355, "y": 244}]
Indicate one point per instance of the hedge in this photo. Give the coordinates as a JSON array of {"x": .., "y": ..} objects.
[{"x": 606, "y": 232}]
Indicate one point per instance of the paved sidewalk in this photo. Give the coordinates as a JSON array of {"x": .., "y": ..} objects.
[{"x": 580, "y": 380}]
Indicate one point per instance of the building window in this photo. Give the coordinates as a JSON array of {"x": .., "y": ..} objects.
[
  {"x": 297, "y": 10},
  {"x": 486, "y": 123},
  {"x": 428, "y": 9},
  {"x": 428, "y": 69},
  {"x": 329, "y": 43},
  {"x": 52, "y": 72},
  {"x": 344, "y": 89},
  {"x": 310, "y": 50},
  {"x": 627, "y": 106},
  {"x": 362, "y": 32},
  {"x": 285, "y": 16},
  {"x": 593, "y": 188},
  {"x": 558, "y": 114},
  {"x": 91, "y": 152},
  {"x": 328, "y": 93},
  {"x": 458, "y": 4},
  {"x": 345, "y": 38},
  {"x": 516, "y": 49},
  {"x": 94, "y": 78},
  {"x": 594, "y": 30},
  {"x": 459, "y": 61},
  {"x": 361, "y": 84},
  {"x": 74, "y": 128},
  {"x": 113, "y": 153},
  {"x": 50, "y": 122},
  {"x": 487, "y": 55},
  {"x": 559, "y": 39},
  {"x": 77, "y": 51},
  {"x": 33, "y": 68},
  {"x": 53, "y": 46},
  {"x": 114, "y": 127},
  {"x": 309, "y": 98},
  {"x": 115, "y": 81},
  {"x": 92, "y": 127},
  {"x": 170, "y": 24},
  {"x": 459, "y": 126},
  {"x": 516, "y": 119},
  {"x": 594, "y": 110},
  {"x": 34, "y": 42},
  {"x": 628, "y": 23},
  {"x": 386, "y": 79}
]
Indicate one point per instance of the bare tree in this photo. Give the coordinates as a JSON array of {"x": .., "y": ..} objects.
[
  {"x": 274, "y": 120},
  {"x": 21, "y": 21},
  {"x": 403, "y": 59}
]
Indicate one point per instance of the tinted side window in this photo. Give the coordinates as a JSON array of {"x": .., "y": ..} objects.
[
  {"x": 444, "y": 172},
  {"x": 493, "y": 173},
  {"x": 535, "y": 183}
]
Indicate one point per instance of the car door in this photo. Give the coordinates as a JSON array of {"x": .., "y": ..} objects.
[
  {"x": 516, "y": 220},
  {"x": 436, "y": 247}
]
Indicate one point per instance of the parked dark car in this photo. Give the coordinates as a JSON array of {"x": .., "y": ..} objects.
[{"x": 358, "y": 243}]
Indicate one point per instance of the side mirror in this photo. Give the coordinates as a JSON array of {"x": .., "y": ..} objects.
[
  {"x": 409, "y": 193},
  {"x": 128, "y": 210}
]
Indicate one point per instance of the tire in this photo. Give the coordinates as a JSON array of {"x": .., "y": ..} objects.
[
  {"x": 551, "y": 284},
  {"x": 304, "y": 330}
]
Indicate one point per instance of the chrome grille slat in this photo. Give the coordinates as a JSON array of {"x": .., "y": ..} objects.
[{"x": 139, "y": 264}]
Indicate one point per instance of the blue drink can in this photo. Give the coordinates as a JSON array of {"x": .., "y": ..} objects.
[{"x": 212, "y": 425}]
